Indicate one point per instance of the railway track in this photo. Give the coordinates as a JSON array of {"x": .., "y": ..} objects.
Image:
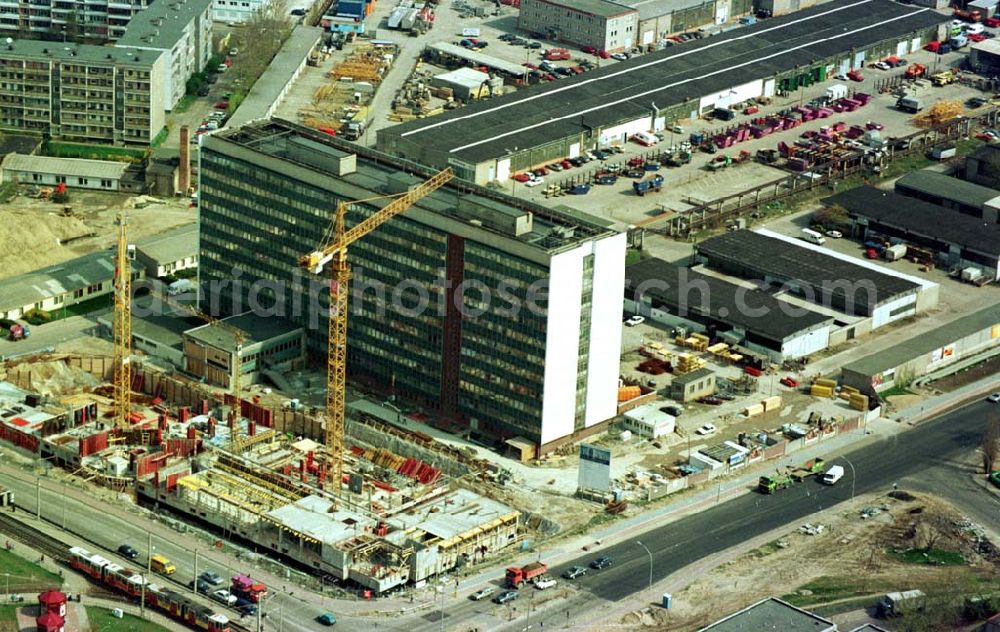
[{"x": 30, "y": 536}]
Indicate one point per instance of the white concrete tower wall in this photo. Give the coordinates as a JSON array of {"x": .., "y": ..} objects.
[
  {"x": 606, "y": 329},
  {"x": 563, "y": 340}
]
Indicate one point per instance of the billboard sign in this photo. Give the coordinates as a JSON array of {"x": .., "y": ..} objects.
[{"x": 595, "y": 468}]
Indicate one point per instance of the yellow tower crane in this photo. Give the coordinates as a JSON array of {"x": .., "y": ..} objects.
[
  {"x": 335, "y": 249},
  {"x": 236, "y": 380},
  {"x": 124, "y": 255}
]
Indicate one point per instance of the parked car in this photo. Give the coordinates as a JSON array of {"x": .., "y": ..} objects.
[
  {"x": 620, "y": 56},
  {"x": 541, "y": 171},
  {"x": 635, "y": 320},
  {"x": 504, "y": 597},
  {"x": 590, "y": 50},
  {"x": 202, "y": 586},
  {"x": 707, "y": 429},
  {"x": 246, "y": 606},
  {"x": 576, "y": 571},
  {"x": 224, "y": 596},
  {"x": 479, "y": 595},
  {"x": 533, "y": 45},
  {"x": 711, "y": 400},
  {"x": 976, "y": 102},
  {"x": 212, "y": 578},
  {"x": 790, "y": 382},
  {"x": 534, "y": 181},
  {"x": 994, "y": 398},
  {"x": 544, "y": 582},
  {"x": 222, "y": 105},
  {"x": 834, "y": 234},
  {"x": 128, "y": 552},
  {"x": 556, "y": 166},
  {"x": 522, "y": 177},
  {"x": 602, "y": 562},
  {"x": 672, "y": 410},
  {"x": 221, "y": 68}
]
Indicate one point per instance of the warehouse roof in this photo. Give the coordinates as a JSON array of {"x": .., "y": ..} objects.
[
  {"x": 772, "y": 258},
  {"x": 83, "y": 53},
  {"x": 772, "y": 615},
  {"x": 72, "y": 167},
  {"x": 162, "y": 23},
  {"x": 675, "y": 75},
  {"x": 172, "y": 245},
  {"x": 34, "y": 287},
  {"x": 990, "y": 46},
  {"x": 691, "y": 294},
  {"x": 602, "y": 8},
  {"x": 920, "y": 218},
  {"x": 927, "y": 342},
  {"x": 478, "y": 58},
  {"x": 650, "y": 9},
  {"x": 944, "y": 186}
]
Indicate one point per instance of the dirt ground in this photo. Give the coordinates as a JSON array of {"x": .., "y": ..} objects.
[
  {"x": 36, "y": 234},
  {"x": 845, "y": 568},
  {"x": 967, "y": 376}
]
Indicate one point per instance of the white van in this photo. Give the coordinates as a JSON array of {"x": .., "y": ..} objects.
[
  {"x": 645, "y": 138},
  {"x": 813, "y": 237},
  {"x": 974, "y": 29},
  {"x": 833, "y": 475},
  {"x": 179, "y": 287}
]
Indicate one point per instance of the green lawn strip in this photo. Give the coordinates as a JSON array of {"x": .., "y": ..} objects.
[
  {"x": 934, "y": 557},
  {"x": 21, "y": 575},
  {"x": 826, "y": 589},
  {"x": 102, "y": 619}
]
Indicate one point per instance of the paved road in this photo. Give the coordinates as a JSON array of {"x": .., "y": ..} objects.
[
  {"x": 900, "y": 458},
  {"x": 44, "y": 337}
]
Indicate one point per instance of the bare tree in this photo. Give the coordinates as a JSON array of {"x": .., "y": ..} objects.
[{"x": 991, "y": 446}]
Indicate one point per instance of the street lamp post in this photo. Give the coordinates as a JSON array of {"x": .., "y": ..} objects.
[
  {"x": 854, "y": 476},
  {"x": 650, "y": 554}
]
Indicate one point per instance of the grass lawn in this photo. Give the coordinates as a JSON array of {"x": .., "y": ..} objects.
[
  {"x": 95, "y": 152},
  {"x": 186, "y": 101},
  {"x": 8, "y": 618},
  {"x": 102, "y": 619},
  {"x": 895, "y": 391},
  {"x": 81, "y": 309},
  {"x": 827, "y": 589},
  {"x": 935, "y": 557},
  {"x": 24, "y": 575}
]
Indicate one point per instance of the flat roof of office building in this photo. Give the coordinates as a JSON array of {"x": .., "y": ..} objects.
[
  {"x": 83, "y": 53},
  {"x": 773, "y": 257},
  {"x": 162, "y": 23},
  {"x": 171, "y": 245},
  {"x": 922, "y": 218},
  {"x": 627, "y": 91},
  {"x": 256, "y": 328},
  {"x": 691, "y": 294},
  {"x": 927, "y": 342},
  {"x": 947, "y": 187},
  {"x": 600, "y": 8},
  {"x": 772, "y": 615},
  {"x": 477, "y": 209}
]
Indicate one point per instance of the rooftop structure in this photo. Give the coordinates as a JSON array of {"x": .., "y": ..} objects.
[
  {"x": 756, "y": 315},
  {"x": 960, "y": 239},
  {"x": 532, "y": 384},
  {"x": 832, "y": 280},
  {"x": 772, "y": 615},
  {"x": 489, "y": 140}
]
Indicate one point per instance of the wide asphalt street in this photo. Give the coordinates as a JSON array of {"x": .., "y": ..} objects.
[{"x": 941, "y": 442}]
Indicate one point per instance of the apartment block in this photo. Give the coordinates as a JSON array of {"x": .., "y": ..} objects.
[
  {"x": 480, "y": 307},
  {"x": 92, "y": 19},
  {"x": 181, "y": 30},
  {"x": 602, "y": 24},
  {"x": 82, "y": 93}
]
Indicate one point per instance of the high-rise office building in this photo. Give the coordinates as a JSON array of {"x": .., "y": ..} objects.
[{"x": 498, "y": 314}]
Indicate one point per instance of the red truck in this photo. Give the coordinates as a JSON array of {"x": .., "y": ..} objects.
[
  {"x": 518, "y": 576},
  {"x": 556, "y": 54},
  {"x": 968, "y": 15},
  {"x": 246, "y": 588}
]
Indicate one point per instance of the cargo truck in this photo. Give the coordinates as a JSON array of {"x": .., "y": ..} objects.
[
  {"x": 246, "y": 588},
  {"x": 896, "y": 604},
  {"x": 811, "y": 468},
  {"x": 518, "y": 576},
  {"x": 771, "y": 484},
  {"x": 19, "y": 331},
  {"x": 910, "y": 104},
  {"x": 643, "y": 187}
]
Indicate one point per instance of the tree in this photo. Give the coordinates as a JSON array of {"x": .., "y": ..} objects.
[
  {"x": 991, "y": 446},
  {"x": 832, "y": 216}
]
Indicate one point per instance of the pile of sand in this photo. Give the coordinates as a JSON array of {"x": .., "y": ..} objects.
[
  {"x": 55, "y": 378},
  {"x": 32, "y": 240}
]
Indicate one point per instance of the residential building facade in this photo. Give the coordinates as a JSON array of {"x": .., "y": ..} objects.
[
  {"x": 471, "y": 304},
  {"x": 82, "y": 93},
  {"x": 72, "y": 18},
  {"x": 602, "y": 24},
  {"x": 182, "y": 31}
]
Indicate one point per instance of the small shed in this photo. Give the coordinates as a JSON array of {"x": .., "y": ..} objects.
[
  {"x": 50, "y": 622},
  {"x": 691, "y": 386},
  {"x": 649, "y": 421},
  {"x": 465, "y": 83},
  {"x": 53, "y": 601}
]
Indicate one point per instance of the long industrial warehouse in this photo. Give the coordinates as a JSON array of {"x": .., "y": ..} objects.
[{"x": 489, "y": 141}]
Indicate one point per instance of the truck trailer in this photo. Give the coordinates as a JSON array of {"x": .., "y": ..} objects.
[{"x": 518, "y": 576}]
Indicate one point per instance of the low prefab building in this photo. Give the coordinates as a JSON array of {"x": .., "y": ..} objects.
[
  {"x": 926, "y": 353},
  {"x": 74, "y": 173},
  {"x": 649, "y": 421}
]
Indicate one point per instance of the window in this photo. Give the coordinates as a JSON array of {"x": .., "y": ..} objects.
[
  {"x": 78, "y": 293},
  {"x": 36, "y": 177},
  {"x": 61, "y": 179},
  {"x": 81, "y": 181},
  {"x": 106, "y": 183}
]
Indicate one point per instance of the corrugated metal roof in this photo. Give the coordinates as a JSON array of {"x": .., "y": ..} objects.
[
  {"x": 927, "y": 342},
  {"x": 172, "y": 245},
  {"x": 34, "y": 287},
  {"x": 478, "y": 58},
  {"x": 947, "y": 187},
  {"x": 72, "y": 167},
  {"x": 678, "y": 74}
]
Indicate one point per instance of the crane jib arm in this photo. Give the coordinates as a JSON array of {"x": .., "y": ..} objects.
[{"x": 314, "y": 261}]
